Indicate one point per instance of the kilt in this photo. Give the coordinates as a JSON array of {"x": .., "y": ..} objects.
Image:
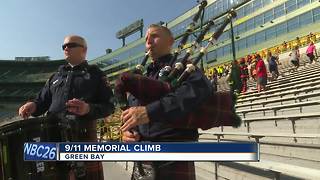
[
  {"x": 92, "y": 171},
  {"x": 85, "y": 131},
  {"x": 160, "y": 170}
]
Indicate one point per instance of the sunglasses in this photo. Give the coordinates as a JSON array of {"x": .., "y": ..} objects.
[{"x": 71, "y": 45}]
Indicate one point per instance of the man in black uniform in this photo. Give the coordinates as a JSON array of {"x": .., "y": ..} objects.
[
  {"x": 154, "y": 121},
  {"x": 78, "y": 92}
]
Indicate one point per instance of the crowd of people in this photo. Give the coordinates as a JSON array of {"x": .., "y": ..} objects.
[{"x": 262, "y": 66}]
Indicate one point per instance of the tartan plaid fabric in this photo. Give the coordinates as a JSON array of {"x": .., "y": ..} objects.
[
  {"x": 144, "y": 88},
  {"x": 164, "y": 170},
  {"x": 217, "y": 111},
  {"x": 94, "y": 171}
]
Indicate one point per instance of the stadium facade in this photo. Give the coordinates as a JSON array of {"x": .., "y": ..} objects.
[{"x": 259, "y": 24}]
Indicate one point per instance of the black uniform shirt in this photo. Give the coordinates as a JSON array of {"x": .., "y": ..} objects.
[{"x": 84, "y": 82}]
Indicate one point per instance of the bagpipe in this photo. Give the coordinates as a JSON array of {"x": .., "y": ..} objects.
[
  {"x": 190, "y": 29},
  {"x": 139, "y": 69},
  {"x": 217, "y": 110}
]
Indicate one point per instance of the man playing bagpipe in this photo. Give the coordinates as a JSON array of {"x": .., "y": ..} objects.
[
  {"x": 154, "y": 119},
  {"x": 166, "y": 119}
]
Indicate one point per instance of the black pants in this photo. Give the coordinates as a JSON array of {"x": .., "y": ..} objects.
[{"x": 311, "y": 57}]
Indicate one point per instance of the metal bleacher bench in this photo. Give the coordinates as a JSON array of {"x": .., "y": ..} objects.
[
  {"x": 277, "y": 168},
  {"x": 287, "y": 169},
  {"x": 292, "y": 118},
  {"x": 295, "y": 78},
  {"x": 284, "y": 91},
  {"x": 257, "y": 136},
  {"x": 283, "y": 87},
  {"x": 295, "y": 97},
  {"x": 275, "y": 108},
  {"x": 312, "y": 78},
  {"x": 282, "y": 117}
]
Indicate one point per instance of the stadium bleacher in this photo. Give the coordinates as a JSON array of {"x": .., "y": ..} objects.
[
  {"x": 285, "y": 120},
  {"x": 26, "y": 71},
  {"x": 20, "y": 81}
]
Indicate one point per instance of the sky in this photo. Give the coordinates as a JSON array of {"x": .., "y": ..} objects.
[{"x": 31, "y": 28}]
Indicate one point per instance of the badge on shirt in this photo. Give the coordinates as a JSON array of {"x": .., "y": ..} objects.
[
  {"x": 87, "y": 76},
  {"x": 54, "y": 82}
]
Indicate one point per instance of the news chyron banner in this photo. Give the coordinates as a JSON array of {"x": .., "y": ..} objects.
[{"x": 198, "y": 151}]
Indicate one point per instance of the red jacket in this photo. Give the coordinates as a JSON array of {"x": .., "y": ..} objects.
[{"x": 261, "y": 69}]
